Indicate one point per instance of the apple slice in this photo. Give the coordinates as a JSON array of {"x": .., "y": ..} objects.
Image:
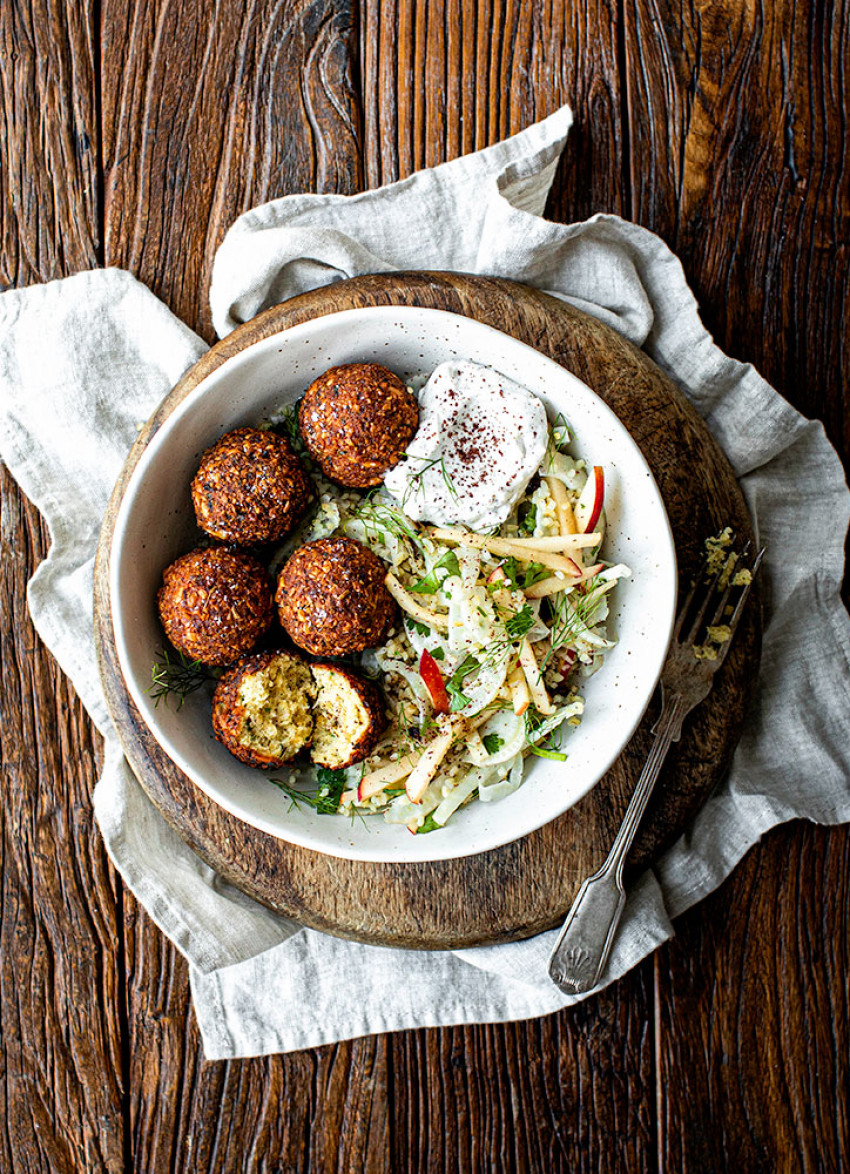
[
  {"x": 498, "y": 583},
  {"x": 375, "y": 782},
  {"x": 566, "y": 662},
  {"x": 433, "y": 680},
  {"x": 428, "y": 764},
  {"x": 520, "y": 696},
  {"x": 589, "y": 505}
]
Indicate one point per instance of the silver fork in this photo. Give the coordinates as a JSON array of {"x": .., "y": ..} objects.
[{"x": 584, "y": 943}]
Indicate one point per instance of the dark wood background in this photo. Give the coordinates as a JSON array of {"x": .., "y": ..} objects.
[{"x": 132, "y": 133}]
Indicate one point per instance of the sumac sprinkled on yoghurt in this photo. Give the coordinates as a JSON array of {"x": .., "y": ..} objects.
[{"x": 481, "y": 438}]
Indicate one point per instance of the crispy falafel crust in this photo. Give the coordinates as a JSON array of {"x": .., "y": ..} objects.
[
  {"x": 250, "y": 488},
  {"x": 357, "y": 421},
  {"x": 232, "y": 719},
  {"x": 327, "y": 718},
  {"x": 332, "y": 600},
  {"x": 215, "y": 603}
]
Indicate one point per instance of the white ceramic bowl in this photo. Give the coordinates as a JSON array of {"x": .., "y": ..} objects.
[{"x": 155, "y": 524}]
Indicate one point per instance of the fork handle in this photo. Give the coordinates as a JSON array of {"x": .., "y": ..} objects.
[{"x": 585, "y": 940}]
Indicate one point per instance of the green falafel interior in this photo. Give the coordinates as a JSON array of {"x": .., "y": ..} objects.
[
  {"x": 277, "y": 719},
  {"x": 343, "y": 722}
]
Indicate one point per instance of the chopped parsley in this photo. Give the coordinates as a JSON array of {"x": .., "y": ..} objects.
[
  {"x": 492, "y": 743},
  {"x": 431, "y": 582},
  {"x": 429, "y": 825},
  {"x": 415, "y": 626},
  {"x": 522, "y": 577},
  {"x": 527, "y": 517},
  {"x": 520, "y": 624},
  {"x": 466, "y": 668},
  {"x": 438, "y": 653}
]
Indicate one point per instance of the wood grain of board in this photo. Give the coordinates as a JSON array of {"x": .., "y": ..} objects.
[{"x": 453, "y": 903}]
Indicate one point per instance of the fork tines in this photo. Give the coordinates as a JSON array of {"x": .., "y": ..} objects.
[{"x": 715, "y": 601}]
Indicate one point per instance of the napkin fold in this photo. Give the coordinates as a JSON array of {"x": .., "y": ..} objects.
[{"x": 84, "y": 360}]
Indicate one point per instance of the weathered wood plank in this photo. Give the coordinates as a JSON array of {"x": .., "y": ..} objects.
[
  {"x": 60, "y": 970},
  {"x": 209, "y": 110},
  {"x": 49, "y": 162},
  {"x": 564, "y": 1094},
  {"x": 739, "y": 161},
  {"x": 319, "y": 1110},
  {"x": 754, "y": 1045},
  {"x": 441, "y": 79},
  {"x": 60, "y": 974}
]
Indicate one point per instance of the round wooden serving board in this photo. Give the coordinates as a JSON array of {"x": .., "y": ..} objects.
[{"x": 526, "y": 886}]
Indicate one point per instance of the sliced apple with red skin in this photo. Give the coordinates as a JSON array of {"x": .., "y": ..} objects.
[
  {"x": 594, "y": 570},
  {"x": 432, "y": 678},
  {"x": 428, "y": 763},
  {"x": 566, "y": 663},
  {"x": 499, "y": 584},
  {"x": 589, "y": 505}
]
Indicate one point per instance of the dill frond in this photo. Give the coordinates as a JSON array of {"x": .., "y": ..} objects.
[{"x": 175, "y": 675}]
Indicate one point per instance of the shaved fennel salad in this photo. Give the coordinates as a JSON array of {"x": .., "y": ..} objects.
[{"x": 497, "y": 631}]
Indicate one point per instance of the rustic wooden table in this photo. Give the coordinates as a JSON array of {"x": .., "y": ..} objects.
[{"x": 132, "y": 134}]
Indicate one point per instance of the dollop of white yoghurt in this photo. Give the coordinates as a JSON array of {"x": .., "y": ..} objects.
[{"x": 480, "y": 439}]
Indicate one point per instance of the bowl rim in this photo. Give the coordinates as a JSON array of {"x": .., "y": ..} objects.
[{"x": 124, "y": 514}]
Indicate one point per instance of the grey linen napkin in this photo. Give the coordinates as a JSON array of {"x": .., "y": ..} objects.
[{"x": 84, "y": 360}]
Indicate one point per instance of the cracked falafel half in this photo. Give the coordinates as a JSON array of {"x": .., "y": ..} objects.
[
  {"x": 272, "y": 705},
  {"x": 332, "y": 599},
  {"x": 357, "y": 421},
  {"x": 250, "y": 488},
  {"x": 349, "y": 717},
  {"x": 262, "y": 708},
  {"x": 215, "y": 604}
]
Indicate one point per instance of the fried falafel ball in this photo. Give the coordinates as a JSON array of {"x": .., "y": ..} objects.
[
  {"x": 349, "y": 717},
  {"x": 357, "y": 420},
  {"x": 262, "y": 708},
  {"x": 215, "y": 604},
  {"x": 250, "y": 488},
  {"x": 331, "y": 597}
]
